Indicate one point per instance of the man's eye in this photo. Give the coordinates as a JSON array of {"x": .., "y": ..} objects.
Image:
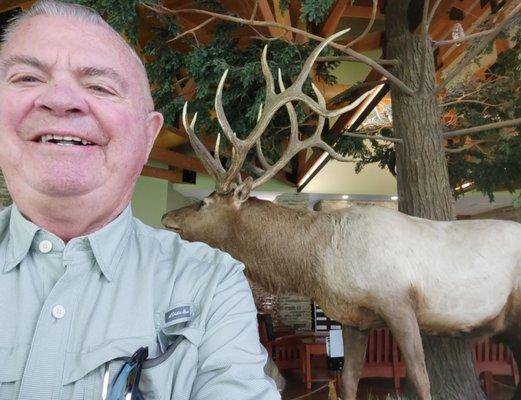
[
  {"x": 100, "y": 89},
  {"x": 25, "y": 79}
]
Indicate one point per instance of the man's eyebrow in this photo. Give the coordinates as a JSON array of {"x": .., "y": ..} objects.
[
  {"x": 21, "y": 59},
  {"x": 103, "y": 72}
]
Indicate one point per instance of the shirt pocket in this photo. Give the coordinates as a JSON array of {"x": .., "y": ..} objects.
[
  {"x": 171, "y": 375},
  {"x": 12, "y": 364},
  {"x": 84, "y": 370}
]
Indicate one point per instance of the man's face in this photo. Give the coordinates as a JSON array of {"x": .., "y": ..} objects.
[{"x": 62, "y": 79}]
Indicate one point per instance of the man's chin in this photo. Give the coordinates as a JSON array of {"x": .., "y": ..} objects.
[{"x": 64, "y": 186}]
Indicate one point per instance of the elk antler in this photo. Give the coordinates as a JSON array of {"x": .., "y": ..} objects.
[{"x": 274, "y": 101}]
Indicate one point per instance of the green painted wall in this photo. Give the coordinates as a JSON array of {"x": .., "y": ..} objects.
[{"x": 149, "y": 200}]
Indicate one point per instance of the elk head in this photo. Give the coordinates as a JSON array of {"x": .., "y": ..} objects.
[{"x": 213, "y": 215}]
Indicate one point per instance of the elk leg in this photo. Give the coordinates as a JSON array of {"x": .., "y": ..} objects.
[
  {"x": 404, "y": 326},
  {"x": 355, "y": 344}
]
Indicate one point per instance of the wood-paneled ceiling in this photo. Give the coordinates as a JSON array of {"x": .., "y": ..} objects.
[{"x": 171, "y": 147}]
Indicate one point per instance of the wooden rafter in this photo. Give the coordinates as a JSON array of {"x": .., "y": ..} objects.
[
  {"x": 283, "y": 18},
  {"x": 331, "y": 24}
]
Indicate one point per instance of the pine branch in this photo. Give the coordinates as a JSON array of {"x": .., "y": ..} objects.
[{"x": 481, "y": 128}]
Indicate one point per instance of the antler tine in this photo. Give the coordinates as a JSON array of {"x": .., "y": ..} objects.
[
  {"x": 266, "y": 71},
  {"x": 321, "y": 119},
  {"x": 321, "y": 109},
  {"x": 308, "y": 64},
  {"x": 335, "y": 155},
  {"x": 293, "y": 120},
  {"x": 217, "y": 151},
  {"x": 259, "y": 115},
  {"x": 221, "y": 116},
  {"x": 260, "y": 155},
  {"x": 294, "y": 146},
  {"x": 214, "y": 169}
]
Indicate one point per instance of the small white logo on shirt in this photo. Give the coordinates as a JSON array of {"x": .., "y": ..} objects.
[{"x": 178, "y": 314}]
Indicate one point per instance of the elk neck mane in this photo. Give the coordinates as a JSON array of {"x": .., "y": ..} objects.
[{"x": 271, "y": 238}]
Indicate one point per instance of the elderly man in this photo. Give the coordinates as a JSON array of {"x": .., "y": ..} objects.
[{"x": 83, "y": 284}]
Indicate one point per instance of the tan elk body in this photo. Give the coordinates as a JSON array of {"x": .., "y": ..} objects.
[
  {"x": 366, "y": 266},
  {"x": 369, "y": 266}
]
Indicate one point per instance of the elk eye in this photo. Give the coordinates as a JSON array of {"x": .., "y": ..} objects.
[{"x": 203, "y": 204}]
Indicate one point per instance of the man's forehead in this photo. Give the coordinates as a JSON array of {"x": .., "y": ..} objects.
[{"x": 72, "y": 40}]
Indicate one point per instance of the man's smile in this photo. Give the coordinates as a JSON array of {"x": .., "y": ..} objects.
[{"x": 64, "y": 140}]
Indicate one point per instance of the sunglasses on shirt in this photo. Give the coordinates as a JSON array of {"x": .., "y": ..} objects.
[{"x": 126, "y": 384}]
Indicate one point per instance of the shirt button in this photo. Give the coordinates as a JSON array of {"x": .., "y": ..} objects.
[
  {"x": 45, "y": 246},
  {"x": 58, "y": 311}
]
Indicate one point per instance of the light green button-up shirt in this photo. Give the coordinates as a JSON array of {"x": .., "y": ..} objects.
[{"x": 70, "y": 312}]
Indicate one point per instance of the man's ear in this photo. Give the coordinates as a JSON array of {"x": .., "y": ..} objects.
[{"x": 153, "y": 125}]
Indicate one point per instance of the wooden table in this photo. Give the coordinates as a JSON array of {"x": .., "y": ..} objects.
[{"x": 310, "y": 346}]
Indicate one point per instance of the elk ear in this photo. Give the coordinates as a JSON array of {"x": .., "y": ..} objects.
[{"x": 242, "y": 191}]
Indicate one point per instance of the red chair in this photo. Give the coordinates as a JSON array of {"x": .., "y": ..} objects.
[
  {"x": 494, "y": 359},
  {"x": 382, "y": 358}
]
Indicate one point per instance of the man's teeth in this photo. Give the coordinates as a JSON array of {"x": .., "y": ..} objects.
[{"x": 63, "y": 140}]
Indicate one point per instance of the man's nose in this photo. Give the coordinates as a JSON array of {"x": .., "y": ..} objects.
[{"x": 62, "y": 100}]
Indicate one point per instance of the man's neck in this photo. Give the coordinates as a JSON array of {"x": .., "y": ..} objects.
[{"x": 69, "y": 217}]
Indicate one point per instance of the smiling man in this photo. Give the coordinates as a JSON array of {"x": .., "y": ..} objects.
[{"x": 83, "y": 284}]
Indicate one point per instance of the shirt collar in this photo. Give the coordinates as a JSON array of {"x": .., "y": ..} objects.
[
  {"x": 107, "y": 244},
  {"x": 21, "y": 235}
]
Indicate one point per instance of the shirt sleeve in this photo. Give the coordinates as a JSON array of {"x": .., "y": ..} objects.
[{"x": 231, "y": 358}]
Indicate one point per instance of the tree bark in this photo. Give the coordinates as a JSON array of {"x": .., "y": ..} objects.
[{"x": 423, "y": 183}]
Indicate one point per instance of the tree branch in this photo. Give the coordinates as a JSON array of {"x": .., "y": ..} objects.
[
  {"x": 402, "y": 86},
  {"x": 462, "y": 39},
  {"x": 451, "y": 103},
  {"x": 372, "y": 137},
  {"x": 479, "y": 48},
  {"x": 433, "y": 12},
  {"x": 481, "y": 128},
  {"x": 190, "y": 31}
]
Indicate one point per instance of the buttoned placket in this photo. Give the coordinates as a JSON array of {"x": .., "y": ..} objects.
[{"x": 43, "y": 373}]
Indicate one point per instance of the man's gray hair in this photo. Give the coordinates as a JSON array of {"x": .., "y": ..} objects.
[
  {"x": 58, "y": 8},
  {"x": 75, "y": 11}
]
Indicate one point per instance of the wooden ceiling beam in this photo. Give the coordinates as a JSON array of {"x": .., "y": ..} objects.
[
  {"x": 9, "y": 4},
  {"x": 331, "y": 24},
  {"x": 267, "y": 15},
  {"x": 283, "y": 18}
]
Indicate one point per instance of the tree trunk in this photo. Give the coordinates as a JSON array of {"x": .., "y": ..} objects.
[{"x": 423, "y": 183}]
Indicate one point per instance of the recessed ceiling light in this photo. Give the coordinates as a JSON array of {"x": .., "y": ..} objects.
[
  {"x": 394, "y": 198},
  {"x": 345, "y": 196}
]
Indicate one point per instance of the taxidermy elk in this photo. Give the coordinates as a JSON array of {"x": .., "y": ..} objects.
[{"x": 366, "y": 266}]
